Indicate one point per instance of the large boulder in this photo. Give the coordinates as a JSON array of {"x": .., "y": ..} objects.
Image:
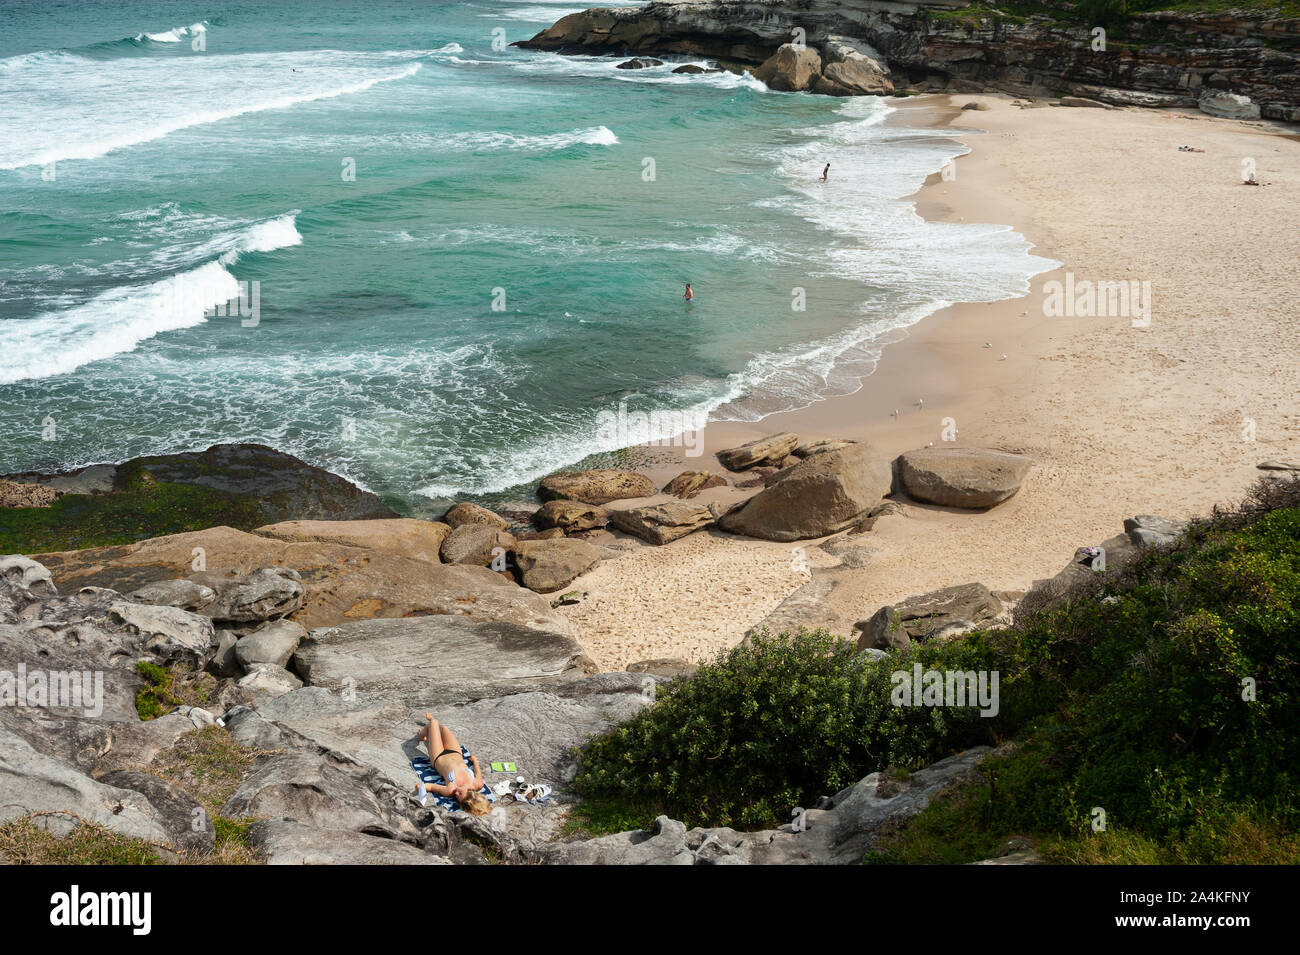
[
  {"x": 688, "y": 484},
  {"x": 971, "y": 478},
  {"x": 791, "y": 69},
  {"x": 661, "y": 523},
  {"x": 476, "y": 545},
  {"x": 427, "y": 660},
  {"x": 820, "y": 495},
  {"x": 804, "y": 610},
  {"x": 467, "y": 512},
  {"x": 1227, "y": 105},
  {"x": 547, "y": 565},
  {"x": 170, "y": 635},
  {"x": 1146, "y": 530},
  {"x": 283, "y": 487},
  {"x": 419, "y": 540},
  {"x": 266, "y": 594},
  {"x": 341, "y": 583},
  {"x": 570, "y": 516},
  {"x": 936, "y": 615},
  {"x": 598, "y": 486},
  {"x": 852, "y": 69},
  {"x": 182, "y": 593},
  {"x": 186, "y": 821},
  {"x": 273, "y": 643},
  {"x": 772, "y": 449}
]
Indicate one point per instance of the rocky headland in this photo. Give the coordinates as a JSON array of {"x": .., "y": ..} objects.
[{"x": 1241, "y": 64}]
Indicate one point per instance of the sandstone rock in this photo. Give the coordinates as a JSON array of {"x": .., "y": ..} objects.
[
  {"x": 476, "y": 544},
  {"x": 547, "y": 565},
  {"x": 1148, "y": 531},
  {"x": 341, "y": 583},
  {"x": 172, "y": 636},
  {"x": 23, "y": 573},
  {"x": 790, "y": 69},
  {"x": 690, "y": 483},
  {"x": 757, "y": 477},
  {"x": 273, "y": 643},
  {"x": 1227, "y": 105},
  {"x": 971, "y": 478},
  {"x": 185, "y": 594},
  {"x": 937, "y": 615},
  {"x": 803, "y": 610},
  {"x": 661, "y": 523},
  {"x": 570, "y": 516},
  {"x": 427, "y": 660},
  {"x": 855, "y": 75},
  {"x": 224, "y": 663},
  {"x": 762, "y": 451},
  {"x": 550, "y": 534},
  {"x": 14, "y": 494},
  {"x": 283, "y": 842},
  {"x": 266, "y": 680},
  {"x": 1082, "y": 101},
  {"x": 670, "y": 667},
  {"x": 1277, "y": 466},
  {"x": 639, "y": 63},
  {"x": 469, "y": 513},
  {"x": 266, "y": 594},
  {"x": 419, "y": 540},
  {"x": 821, "y": 495},
  {"x": 598, "y": 486},
  {"x": 31, "y": 781},
  {"x": 188, "y": 826},
  {"x": 809, "y": 448}
]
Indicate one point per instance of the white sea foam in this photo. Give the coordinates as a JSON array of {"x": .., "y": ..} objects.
[
  {"x": 117, "y": 320},
  {"x": 176, "y": 34},
  {"x": 63, "y": 99}
]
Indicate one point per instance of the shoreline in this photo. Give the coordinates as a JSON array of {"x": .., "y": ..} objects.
[{"x": 1119, "y": 420}]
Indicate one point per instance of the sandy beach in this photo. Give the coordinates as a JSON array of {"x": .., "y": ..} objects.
[{"x": 1170, "y": 418}]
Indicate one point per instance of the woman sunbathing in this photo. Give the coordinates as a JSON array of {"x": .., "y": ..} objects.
[{"x": 463, "y": 784}]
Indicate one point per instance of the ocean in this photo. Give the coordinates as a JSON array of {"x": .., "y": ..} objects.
[{"x": 379, "y": 238}]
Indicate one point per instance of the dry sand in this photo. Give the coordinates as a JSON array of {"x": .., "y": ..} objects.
[{"x": 1119, "y": 420}]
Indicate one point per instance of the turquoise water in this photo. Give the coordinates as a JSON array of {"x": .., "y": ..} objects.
[{"x": 153, "y": 156}]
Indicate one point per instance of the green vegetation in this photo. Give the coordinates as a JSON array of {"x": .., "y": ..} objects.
[
  {"x": 167, "y": 688},
  {"x": 1164, "y": 696},
  {"x": 139, "y": 507}
]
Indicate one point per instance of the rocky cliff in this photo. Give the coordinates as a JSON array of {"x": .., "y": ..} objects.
[{"x": 1159, "y": 58}]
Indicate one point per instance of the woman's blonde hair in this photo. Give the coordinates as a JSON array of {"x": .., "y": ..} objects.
[{"x": 476, "y": 804}]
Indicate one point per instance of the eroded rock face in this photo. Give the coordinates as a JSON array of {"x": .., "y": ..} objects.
[
  {"x": 16, "y": 494},
  {"x": 970, "y": 478},
  {"x": 823, "y": 494},
  {"x": 769, "y": 450},
  {"x": 434, "y": 659},
  {"x": 341, "y": 583},
  {"x": 689, "y": 484},
  {"x": 476, "y": 545},
  {"x": 266, "y": 594},
  {"x": 791, "y": 69},
  {"x": 1149, "y": 531},
  {"x": 597, "y": 486},
  {"x": 546, "y": 566},
  {"x": 570, "y": 516},
  {"x": 1227, "y": 105},
  {"x": 937, "y": 615},
  {"x": 661, "y": 523},
  {"x": 469, "y": 513},
  {"x": 419, "y": 540},
  {"x": 1173, "y": 56}
]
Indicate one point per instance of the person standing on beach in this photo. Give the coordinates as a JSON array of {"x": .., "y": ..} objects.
[
  {"x": 826, "y": 172},
  {"x": 689, "y": 293}
]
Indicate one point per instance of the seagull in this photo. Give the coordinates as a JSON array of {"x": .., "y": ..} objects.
[
  {"x": 920, "y": 402},
  {"x": 988, "y": 344},
  {"x": 894, "y": 413},
  {"x": 930, "y": 444},
  {"x": 1003, "y": 358},
  {"x": 1024, "y": 313}
]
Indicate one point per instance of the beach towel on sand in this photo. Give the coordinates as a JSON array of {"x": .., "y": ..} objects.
[{"x": 429, "y": 775}]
